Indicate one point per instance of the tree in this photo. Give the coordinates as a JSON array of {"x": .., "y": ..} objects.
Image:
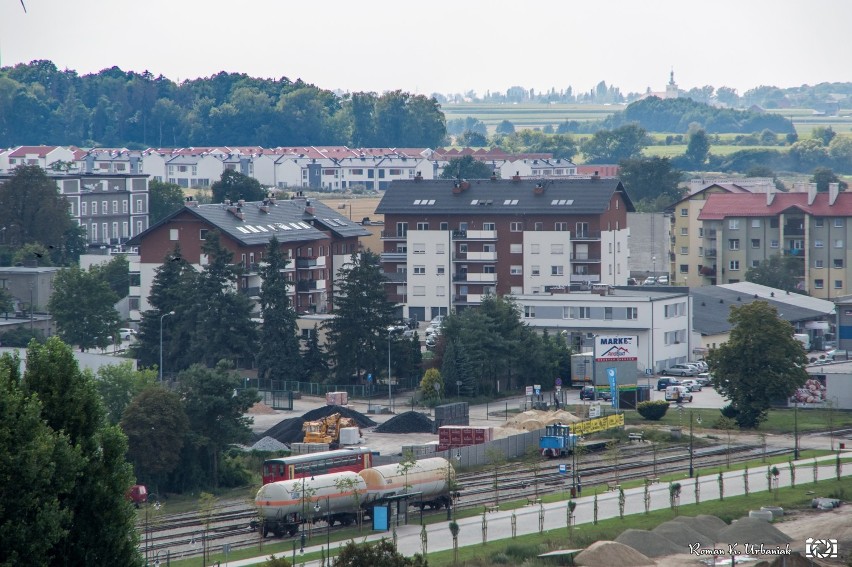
[
  {"x": 824, "y": 134},
  {"x": 164, "y": 199},
  {"x": 432, "y": 385},
  {"x": 82, "y": 305},
  {"x": 823, "y": 176},
  {"x": 156, "y": 427},
  {"x": 32, "y": 210},
  {"x": 358, "y": 333},
  {"x": 649, "y": 179},
  {"x": 102, "y": 529},
  {"x": 380, "y": 553},
  {"x": 32, "y": 254},
  {"x": 116, "y": 274},
  {"x": 314, "y": 363},
  {"x": 39, "y": 466},
  {"x": 234, "y": 185},
  {"x": 697, "y": 148},
  {"x": 472, "y": 139},
  {"x": 505, "y": 127},
  {"x": 613, "y": 146},
  {"x": 466, "y": 168},
  {"x": 780, "y": 272},
  {"x": 761, "y": 362},
  {"x": 118, "y": 384},
  {"x": 280, "y": 354}
]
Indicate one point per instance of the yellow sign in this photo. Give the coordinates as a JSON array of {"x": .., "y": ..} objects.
[{"x": 599, "y": 424}]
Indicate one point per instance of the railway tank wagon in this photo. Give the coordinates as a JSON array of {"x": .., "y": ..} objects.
[
  {"x": 430, "y": 477},
  {"x": 281, "y": 504}
]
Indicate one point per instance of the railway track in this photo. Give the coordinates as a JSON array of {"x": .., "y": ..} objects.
[{"x": 186, "y": 535}]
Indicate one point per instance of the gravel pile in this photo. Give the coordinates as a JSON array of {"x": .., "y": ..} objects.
[
  {"x": 261, "y": 408},
  {"x": 648, "y": 543},
  {"x": 325, "y": 411},
  {"x": 268, "y": 444},
  {"x": 408, "y": 422},
  {"x": 287, "y": 431},
  {"x": 610, "y": 554},
  {"x": 753, "y": 530},
  {"x": 682, "y": 535},
  {"x": 703, "y": 525}
]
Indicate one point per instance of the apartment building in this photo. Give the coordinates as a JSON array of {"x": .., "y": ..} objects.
[
  {"x": 739, "y": 231},
  {"x": 317, "y": 239},
  {"x": 446, "y": 244}
]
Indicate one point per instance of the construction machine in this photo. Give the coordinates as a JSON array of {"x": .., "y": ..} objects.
[{"x": 327, "y": 429}]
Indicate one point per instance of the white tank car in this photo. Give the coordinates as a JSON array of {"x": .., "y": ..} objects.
[
  {"x": 281, "y": 503},
  {"x": 427, "y": 476}
]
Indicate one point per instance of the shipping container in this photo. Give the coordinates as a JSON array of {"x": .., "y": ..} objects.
[{"x": 336, "y": 398}]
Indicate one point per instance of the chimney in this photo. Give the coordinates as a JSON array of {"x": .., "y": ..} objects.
[
  {"x": 417, "y": 177},
  {"x": 812, "y": 193},
  {"x": 833, "y": 192},
  {"x": 770, "y": 196},
  {"x": 237, "y": 212},
  {"x": 309, "y": 209},
  {"x": 190, "y": 202},
  {"x": 517, "y": 177}
]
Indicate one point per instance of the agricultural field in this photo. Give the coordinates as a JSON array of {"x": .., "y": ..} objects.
[{"x": 530, "y": 115}]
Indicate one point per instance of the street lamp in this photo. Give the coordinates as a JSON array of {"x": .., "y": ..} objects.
[
  {"x": 163, "y": 316},
  {"x": 654, "y": 260},
  {"x": 691, "y": 446},
  {"x": 796, "y": 430},
  {"x": 390, "y": 393}
]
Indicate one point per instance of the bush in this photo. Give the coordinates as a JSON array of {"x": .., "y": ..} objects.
[
  {"x": 653, "y": 411},
  {"x": 21, "y": 337},
  {"x": 729, "y": 411}
]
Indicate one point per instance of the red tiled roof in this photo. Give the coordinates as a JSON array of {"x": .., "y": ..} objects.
[
  {"x": 24, "y": 151},
  {"x": 723, "y": 205}
]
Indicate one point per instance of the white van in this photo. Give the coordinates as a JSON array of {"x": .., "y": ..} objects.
[{"x": 678, "y": 394}]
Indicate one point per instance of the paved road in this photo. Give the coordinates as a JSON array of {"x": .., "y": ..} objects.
[{"x": 498, "y": 525}]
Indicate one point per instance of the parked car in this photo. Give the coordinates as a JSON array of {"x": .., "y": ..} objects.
[
  {"x": 632, "y": 281},
  {"x": 127, "y": 334},
  {"x": 651, "y": 280},
  {"x": 408, "y": 333},
  {"x": 590, "y": 393},
  {"x": 664, "y": 383},
  {"x": 705, "y": 379},
  {"x": 678, "y": 394},
  {"x": 702, "y": 366},
  {"x": 438, "y": 320},
  {"x": 431, "y": 341},
  {"x": 693, "y": 384},
  {"x": 663, "y": 280},
  {"x": 430, "y": 330},
  {"x": 681, "y": 370}
]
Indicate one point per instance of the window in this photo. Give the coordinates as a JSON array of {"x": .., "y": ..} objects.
[
  {"x": 734, "y": 224},
  {"x": 94, "y": 207},
  {"x": 139, "y": 206},
  {"x": 684, "y": 268},
  {"x": 556, "y": 270},
  {"x": 516, "y": 227},
  {"x": 124, "y": 206},
  {"x": 534, "y": 248},
  {"x": 684, "y": 231},
  {"x": 83, "y": 208},
  {"x": 516, "y": 270},
  {"x": 818, "y": 222},
  {"x": 529, "y": 311},
  {"x": 441, "y": 291},
  {"x": 734, "y": 265},
  {"x": 684, "y": 212},
  {"x": 819, "y": 284},
  {"x": 608, "y": 313},
  {"x": 423, "y": 226},
  {"x": 462, "y": 248},
  {"x": 582, "y": 230},
  {"x": 838, "y": 223},
  {"x": 684, "y": 249},
  {"x": 95, "y": 232},
  {"x": 560, "y": 226},
  {"x": 202, "y": 234},
  {"x": 674, "y": 310},
  {"x": 104, "y": 207},
  {"x": 535, "y": 270},
  {"x": 838, "y": 263},
  {"x": 489, "y": 248},
  {"x": 440, "y": 270},
  {"x": 701, "y": 251},
  {"x": 584, "y": 312},
  {"x": 125, "y": 229},
  {"x": 733, "y": 243},
  {"x": 173, "y": 233},
  {"x": 838, "y": 284},
  {"x": 516, "y": 248},
  {"x": 419, "y": 290},
  {"x": 755, "y": 223},
  {"x": 632, "y": 313},
  {"x": 773, "y": 244},
  {"x": 138, "y": 226},
  {"x": 539, "y": 226},
  {"x": 115, "y": 207},
  {"x": 516, "y": 290},
  {"x": 489, "y": 226},
  {"x": 419, "y": 270},
  {"x": 755, "y": 263},
  {"x": 567, "y": 313},
  {"x": 419, "y": 248},
  {"x": 838, "y": 243},
  {"x": 401, "y": 269},
  {"x": 701, "y": 232},
  {"x": 489, "y": 269},
  {"x": 818, "y": 243},
  {"x": 439, "y": 248},
  {"x": 818, "y": 264},
  {"x": 400, "y": 249},
  {"x": 401, "y": 229},
  {"x": 557, "y": 249}
]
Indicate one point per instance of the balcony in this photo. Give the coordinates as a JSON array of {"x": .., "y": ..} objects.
[
  {"x": 796, "y": 229},
  {"x": 710, "y": 253},
  {"x": 308, "y": 286},
  {"x": 394, "y": 235},
  {"x": 585, "y": 257},
  {"x": 481, "y": 278},
  {"x": 481, "y": 256},
  {"x": 589, "y": 278},
  {"x": 798, "y": 252},
  {"x": 586, "y": 235},
  {"x": 394, "y": 256},
  {"x": 308, "y": 262},
  {"x": 710, "y": 233},
  {"x": 707, "y": 271},
  {"x": 252, "y": 292}
]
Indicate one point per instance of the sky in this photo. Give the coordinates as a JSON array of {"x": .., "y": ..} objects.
[{"x": 442, "y": 46}]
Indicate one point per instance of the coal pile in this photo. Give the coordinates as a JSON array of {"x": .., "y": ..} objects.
[
  {"x": 408, "y": 422},
  {"x": 287, "y": 431},
  {"x": 325, "y": 411}
]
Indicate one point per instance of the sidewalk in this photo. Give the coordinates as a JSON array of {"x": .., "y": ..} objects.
[{"x": 498, "y": 525}]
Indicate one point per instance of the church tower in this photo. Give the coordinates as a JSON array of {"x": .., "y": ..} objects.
[{"x": 671, "y": 88}]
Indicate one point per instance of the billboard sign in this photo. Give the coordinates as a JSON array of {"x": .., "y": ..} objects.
[{"x": 615, "y": 348}]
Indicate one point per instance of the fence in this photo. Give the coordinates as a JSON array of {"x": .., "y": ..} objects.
[
  {"x": 477, "y": 455},
  {"x": 361, "y": 391}
]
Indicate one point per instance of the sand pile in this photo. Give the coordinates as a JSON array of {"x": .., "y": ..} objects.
[
  {"x": 537, "y": 419},
  {"x": 753, "y": 530},
  {"x": 408, "y": 422},
  {"x": 260, "y": 408},
  {"x": 531, "y": 425},
  {"x": 648, "y": 543},
  {"x": 704, "y": 525},
  {"x": 682, "y": 535},
  {"x": 611, "y": 554}
]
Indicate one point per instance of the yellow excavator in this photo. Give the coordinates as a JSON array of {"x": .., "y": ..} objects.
[{"x": 327, "y": 429}]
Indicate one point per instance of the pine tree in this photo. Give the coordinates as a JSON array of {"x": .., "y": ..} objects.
[
  {"x": 314, "y": 363},
  {"x": 279, "y": 357},
  {"x": 358, "y": 334}
]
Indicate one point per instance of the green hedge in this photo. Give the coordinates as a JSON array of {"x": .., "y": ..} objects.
[{"x": 653, "y": 411}]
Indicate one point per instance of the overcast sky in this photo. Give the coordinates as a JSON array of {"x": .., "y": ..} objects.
[{"x": 441, "y": 46}]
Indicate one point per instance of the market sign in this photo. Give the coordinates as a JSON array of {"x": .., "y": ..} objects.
[{"x": 616, "y": 348}]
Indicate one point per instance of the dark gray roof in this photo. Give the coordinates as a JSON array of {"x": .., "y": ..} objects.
[
  {"x": 286, "y": 219},
  {"x": 573, "y": 196},
  {"x": 710, "y": 317}
]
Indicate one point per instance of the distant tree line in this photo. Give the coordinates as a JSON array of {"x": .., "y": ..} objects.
[{"x": 40, "y": 104}]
